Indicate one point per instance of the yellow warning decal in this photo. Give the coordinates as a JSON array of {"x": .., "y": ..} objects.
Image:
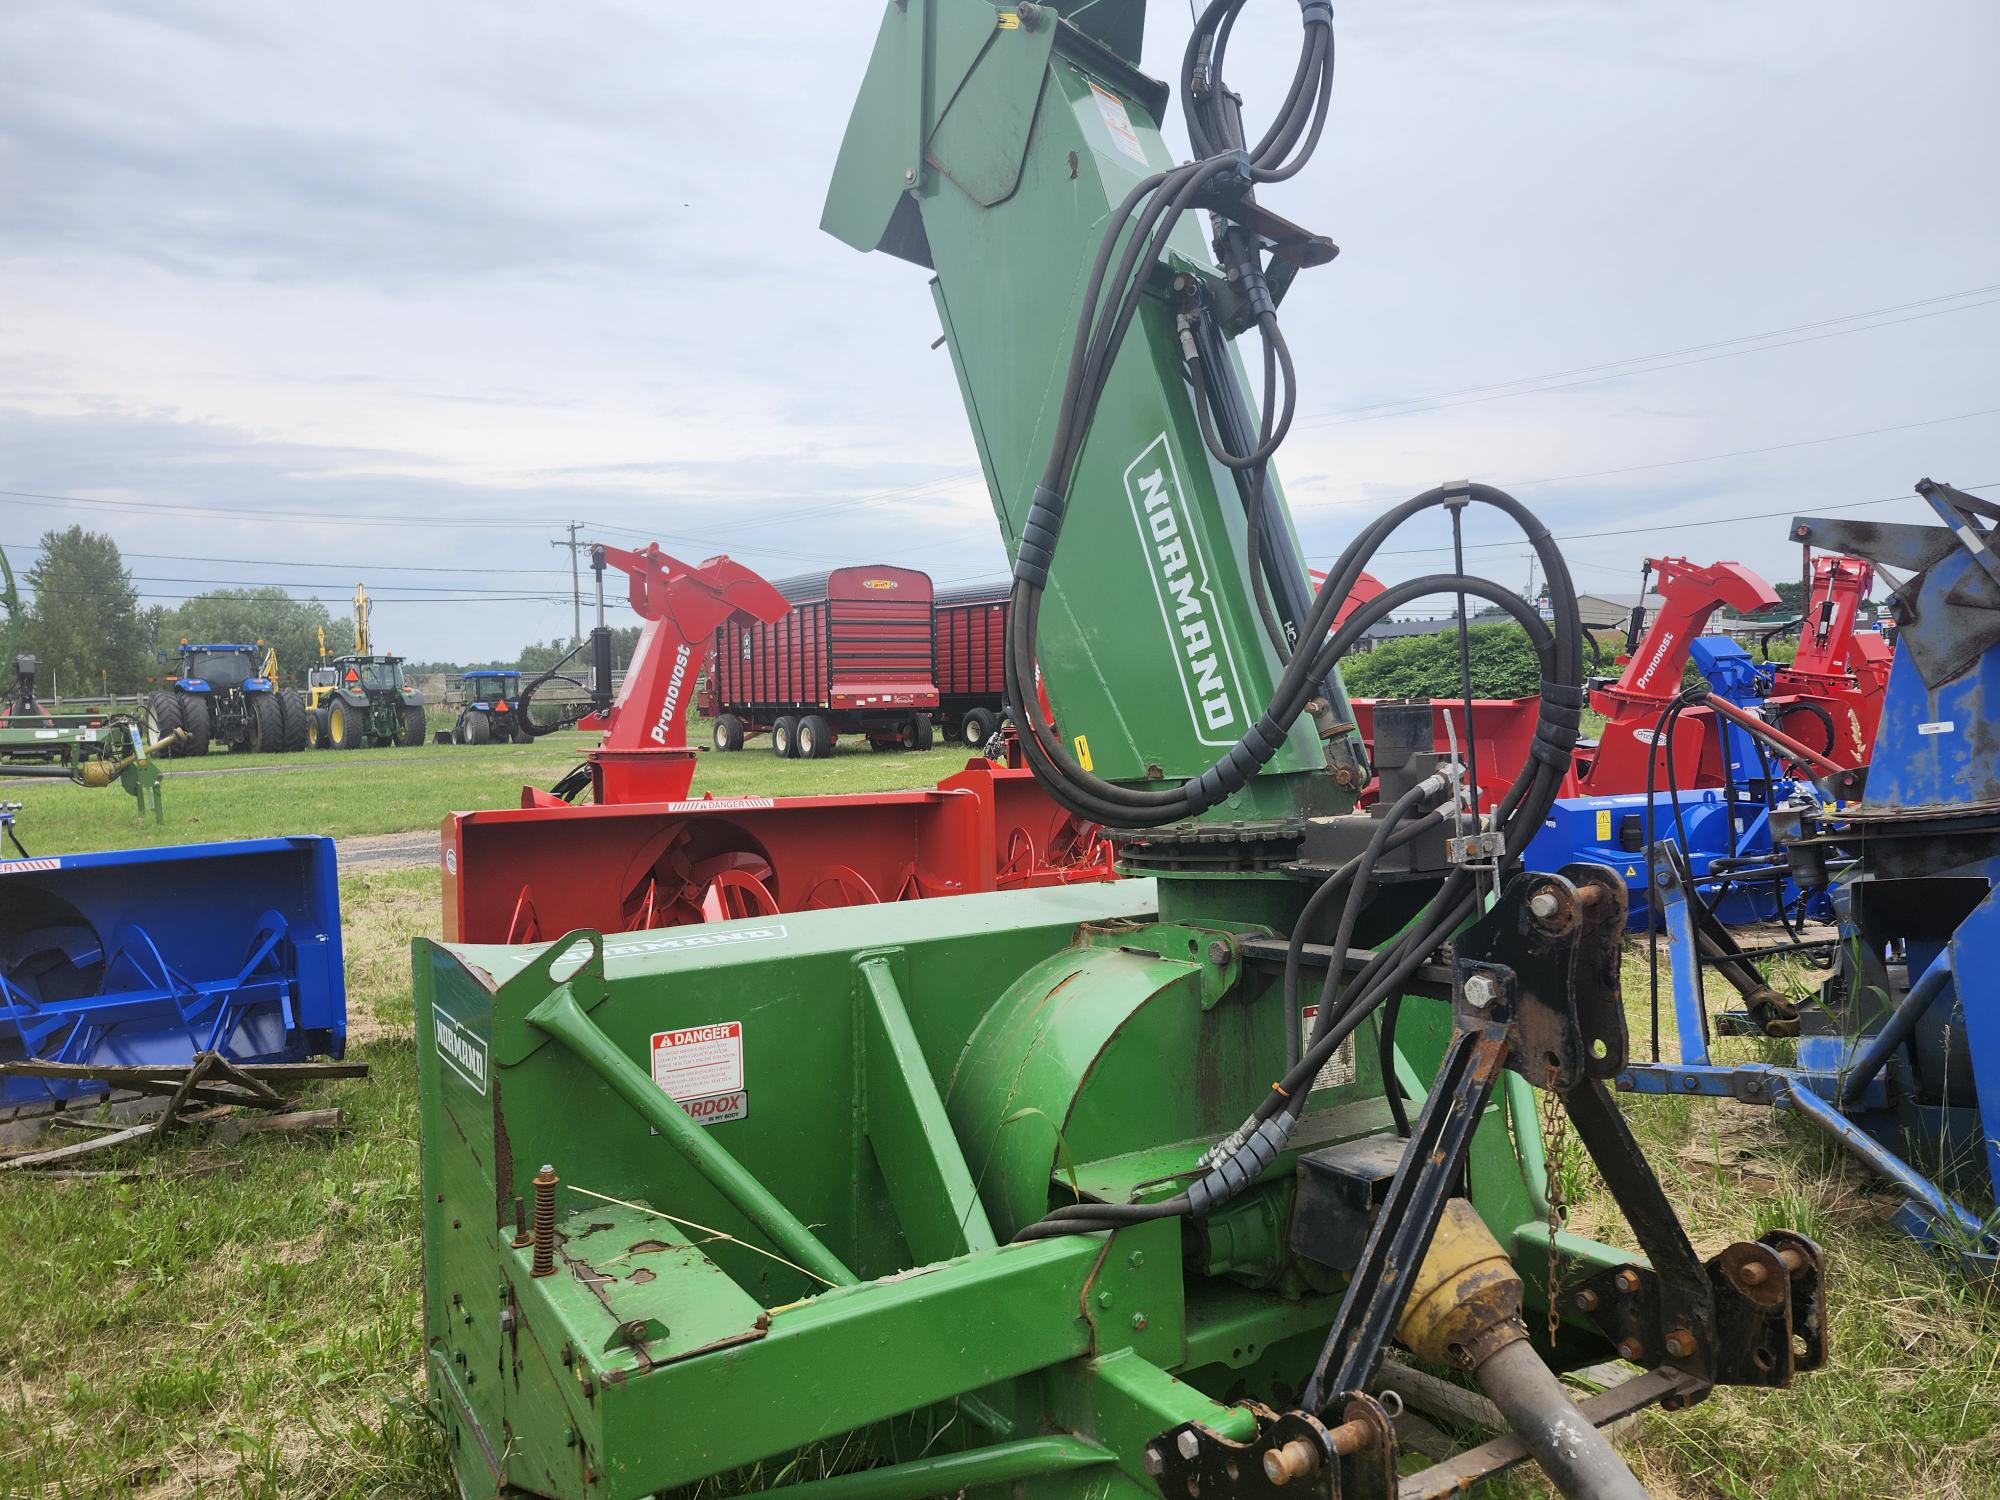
[
  {"x": 1083, "y": 753},
  {"x": 1009, "y": 20},
  {"x": 1604, "y": 822},
  {"x": 1631, "y": 872}
]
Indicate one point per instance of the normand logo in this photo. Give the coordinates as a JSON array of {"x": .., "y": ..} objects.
[{"x": 1182, "y": 585}]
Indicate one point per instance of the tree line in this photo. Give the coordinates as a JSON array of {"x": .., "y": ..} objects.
[{"x": 83, "y": 621}]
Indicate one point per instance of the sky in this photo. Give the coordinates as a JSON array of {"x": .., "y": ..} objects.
[{"x": 305, "y": 294}]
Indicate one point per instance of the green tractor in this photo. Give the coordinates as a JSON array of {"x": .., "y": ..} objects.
[{"x": 353, "y": 701}]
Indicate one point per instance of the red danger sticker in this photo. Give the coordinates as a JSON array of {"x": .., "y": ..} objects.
[{"x": 700, "y": 1063}]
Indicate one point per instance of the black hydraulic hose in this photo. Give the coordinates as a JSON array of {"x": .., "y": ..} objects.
[
  {"x": 1107, "y": 802},
  {"x": 1324, "y": 892},
  {"x": 1350, "y": 911}
]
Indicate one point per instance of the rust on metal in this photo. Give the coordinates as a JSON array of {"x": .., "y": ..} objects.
[{"x": 544, "y": 1263}]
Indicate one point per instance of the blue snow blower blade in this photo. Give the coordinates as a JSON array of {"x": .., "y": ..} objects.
[{"x": 145, "y": 957}]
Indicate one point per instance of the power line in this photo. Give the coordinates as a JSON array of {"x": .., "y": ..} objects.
[
  {"x": 1612, "y": 369},
  {"x": 281, "y": 562},
  {"x": 1585, "y": 536},
  {"x": 1702, "y": 458}
]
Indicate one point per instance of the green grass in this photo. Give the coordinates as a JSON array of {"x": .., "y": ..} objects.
[
  {"x": 244, "y": 1322},
  {"x": 358, "y": 792}
]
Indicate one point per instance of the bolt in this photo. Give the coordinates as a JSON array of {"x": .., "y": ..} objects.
[
  {"x": 1587, "y": 1300},
  {"x": 1297, "y": 1459},
  {"x": 544, "y": 1263},
  {"x": 1138, "y": 1322},
  {"x": 1189, "y": 1445},
  {"x": 1153, "y": 1463},
  {"x": 1544, "y": 905},
  {"x": 569, "y": 1437},
  {"x": 521, "y": 1240},
  {"x": 1680, "y": 1343},
  {"x": 506, "y": 1320},
  {"x": 1631, "y": 1349},
  {"x": 1136, "y": 1259},
  {"x": 1104, "y": 1299},
  {"x": 568, "y": 1355},
  {"x": 1627, "y": 1281},
  {"x": 1218, "y": 953},
  {"x": 909, "y": 174},
  {"x": 1481, "y": 991},
  {"x": 1753, "y": 1273}
]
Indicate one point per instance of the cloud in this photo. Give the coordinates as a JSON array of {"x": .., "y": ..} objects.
[{"x": 480, "y": 263}]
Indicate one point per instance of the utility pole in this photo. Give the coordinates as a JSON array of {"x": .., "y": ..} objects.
[{"x": 575, "y": 582}]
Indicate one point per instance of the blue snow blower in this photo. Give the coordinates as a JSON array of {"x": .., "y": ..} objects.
[{"x": 146, "y": 957}]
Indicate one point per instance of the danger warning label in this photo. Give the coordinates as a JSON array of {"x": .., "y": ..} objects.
[
  {"x": 701, "y": 1069},
  {"x": 1338, "y": 1069}
]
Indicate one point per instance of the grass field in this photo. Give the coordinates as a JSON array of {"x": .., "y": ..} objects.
[{"x": 243, "y": 1321}]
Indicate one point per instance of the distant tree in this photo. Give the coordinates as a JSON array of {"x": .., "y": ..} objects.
[
  {"x": 84, "y": 624},
  {"x": 245, "y": 616},
  {"x": 540, "y": 657},
  {"x": 1791, "y": 599},
  {"x": 1504, "y": 665}
]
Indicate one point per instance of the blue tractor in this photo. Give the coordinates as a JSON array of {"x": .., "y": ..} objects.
[
  {"x": 492, "y": 712},
  {"x": 221, "y": 695}
]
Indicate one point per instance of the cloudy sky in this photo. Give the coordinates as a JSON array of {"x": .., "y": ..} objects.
[{"x": 302, "y": 293}]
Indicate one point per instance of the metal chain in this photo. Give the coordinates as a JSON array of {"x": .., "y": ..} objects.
[{"x": 1555, "y": 1136}]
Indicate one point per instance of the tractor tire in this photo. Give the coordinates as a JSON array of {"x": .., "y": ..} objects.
[
  {"x": 267, "y": 725},
  {"x": 415, "y": 726},
  {"x": 521, "y": 734},
  {"x": 884, "y": 747},
  {"x": 292, "y": 714},
  {"x": 977, "y": 727},
  {"x": 727, "y": 732},
  {"x": 195, "y": 720},
  {"x": 916, "y": 733},
  {"x": 785, "y": 737},
  {"x": 345, "y": 729},
  {"x": 478, "y": 729},
  {"x": 315, "y": 729},
  {"x": 815, "y": 741},
  {"x": 163, "y": 718}
]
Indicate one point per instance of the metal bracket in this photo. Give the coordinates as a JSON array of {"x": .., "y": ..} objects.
[{"x": 1294, "y": 1455}]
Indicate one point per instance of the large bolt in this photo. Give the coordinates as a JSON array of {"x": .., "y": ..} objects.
[
  {"x": 1587, "y": 1300},
  {"x": 544, "y": 1263},
  {"x": 1627, "y": 1281},
  {"x": 1544, "y": 905},
  {"x": 1297, "y": 1459},
  {"x": 1218, "y": 953},
  {"x": 1631, "y": 1349},
  {"x": 521, "y": 1239},
  {"x": 1153, "y": 1463},
  {"x": 1189, "y": 1445},
  {"x": 1481, "y": 990},
  {"x": 1680, "y": 1343},
  {"x": 1752, "y": 1273}
]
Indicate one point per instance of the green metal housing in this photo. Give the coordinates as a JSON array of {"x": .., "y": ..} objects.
[
  {"x": 992, "y": 154},
  {"x": 906, "y": 1103},
  {"x": 810, "y": 1246}
]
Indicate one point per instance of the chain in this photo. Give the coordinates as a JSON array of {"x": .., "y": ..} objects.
[{"x": 1555, "y": 1136}]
